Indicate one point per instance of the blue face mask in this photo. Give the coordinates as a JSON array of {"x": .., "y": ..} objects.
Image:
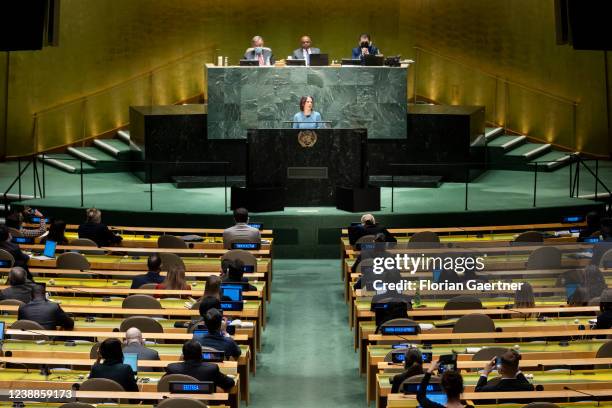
[{"x": 258, "y": 50}]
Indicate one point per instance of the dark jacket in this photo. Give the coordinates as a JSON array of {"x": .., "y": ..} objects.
[
  {"x": 144, "y": 353},
  {"x": 425, "y": 402},
  {"x": 99, "y": 233},
  {"x": 202, "y": 372},
  {"x": 246, "y": 286},
  {"x": 604, "y": 320},
  {"x": 357, "y": 231},
  {"x": 149, "y": 277},
  {"x": 47, "y": 314},
  {"x": 116, "y": 371},
  {"x": 18, "y": 292},
  {"x": 219, "y": 342},
  {"x": 520, "y": 383},
  {"x": 21, "y": 259},
  {"x": 398, "y": 379}
]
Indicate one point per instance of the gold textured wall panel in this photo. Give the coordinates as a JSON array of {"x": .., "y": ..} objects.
[{"x": 472, "y": 50}]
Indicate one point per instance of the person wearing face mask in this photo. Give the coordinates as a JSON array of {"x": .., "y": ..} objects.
[
  {"x": 365, "y": 47},
  {"x": 258, "y": 52}
]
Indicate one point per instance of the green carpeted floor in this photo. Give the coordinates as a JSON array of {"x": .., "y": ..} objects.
[{"x": 307, "y": 359}]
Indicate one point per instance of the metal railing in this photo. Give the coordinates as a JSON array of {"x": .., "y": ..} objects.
[
  {"x": 499, "y": 90},
  {"x": 78, "y": 115}
]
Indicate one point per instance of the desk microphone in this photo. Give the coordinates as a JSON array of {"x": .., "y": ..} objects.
[
  {"x": 10, "y": 354},
  {"x": 517, "y": 311},
  {"x": 80, "y": 290},
  {"x": 595, "y": 397}
]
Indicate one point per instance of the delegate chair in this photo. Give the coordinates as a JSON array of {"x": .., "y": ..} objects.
[
  {"x": 143, "y": 323},
  {"x": 26, "y": 325},
  {"x": 86, "y": 242},
  {"x": 181, "y": 403},
  {"x": 169, "y": 259},
  {"x": 544, "y": 258},
  {"x": 170, "y": 241},
  {"x": 73, "y": 260},
  {"x": 140, "y": 302},
  {"x": 424, "y": 239},
  {"x": 528, "y": 237},
  {"x": 247, "y": 258},
  {"x": 474, "y": 323},
  {"x": 6, "y": 256},
  {"x": 100, "y": 384},
  {"x": 606, "y": 259},
  {"x": 164, "y": 383},
  {"x": 487, "y": 353},
  {"x": 463, "y": 303},
  {"x": 76, "y": 405}
]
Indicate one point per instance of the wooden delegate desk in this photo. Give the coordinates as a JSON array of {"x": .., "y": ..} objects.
[
  {"x": 106, "y": 264},
  {"x": 507, "y": 326},
  {"x": 167, "y": 353},
  {"x": 551, "y": 381},
  {"x": 213, "y": 253},
  {"x": 214, "y": 399},
  {"x": 529, "y": 351},
  {"x": 409, "y": 401},
  {"x": 96, "y": 287},
  {"x": 227, "y": 367},
  {"x": 172, "y": 308},
  {"x": 150, "y": 241}
]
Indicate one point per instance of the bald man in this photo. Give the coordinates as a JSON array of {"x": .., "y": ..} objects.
[
  {"x": 19, "y": 288},
  {"x": 305, "y": 49},
  {"x": 368, "y": 226},
  {"x": 134, "y": 343}
]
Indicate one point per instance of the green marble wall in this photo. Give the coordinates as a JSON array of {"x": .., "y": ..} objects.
[{"x": 241, "y": 98}]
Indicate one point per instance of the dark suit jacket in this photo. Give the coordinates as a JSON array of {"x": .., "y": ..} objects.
[
  {"x": 398, "y": 379},
  {"x": 604, "y": 320},
  {"x": 246, "y": 286},
  {"x": 356, "y": 52},
  {"x": 144, "y": 353},
  {"x": 99, "y": 233},
  {"x": 150, "y": 277},
  {"x": 219, "y": 342},
  {"x": 116, "y": 371},
  {"x": 520, "y": 383},
  {"x": 47, "y": 314},
  {"x": 357, "y": 231},
  {"x": 21, "y": 259},
  {"x": 202, "y": 372},
  {"x": 18, "y": 292}
]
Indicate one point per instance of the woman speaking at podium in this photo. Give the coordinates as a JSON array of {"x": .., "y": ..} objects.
[{"x": 306, "y": 118}]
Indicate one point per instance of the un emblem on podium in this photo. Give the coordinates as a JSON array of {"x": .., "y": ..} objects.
[{"x": 307, "y": 138}]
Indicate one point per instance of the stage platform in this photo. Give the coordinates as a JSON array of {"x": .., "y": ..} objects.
[{"x": 496, "y": 197}]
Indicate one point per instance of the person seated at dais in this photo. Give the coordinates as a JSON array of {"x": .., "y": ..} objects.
[
  {"x": 258, "y": 52},
  {"x": 305, "y": 50}
]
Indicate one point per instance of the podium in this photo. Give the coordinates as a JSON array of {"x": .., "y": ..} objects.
[{"x": 304, "y": 167}]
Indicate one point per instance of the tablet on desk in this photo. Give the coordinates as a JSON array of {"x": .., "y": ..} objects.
[
  {"x": 131, "y": 359},
  {"x": 232, "y": 291}
]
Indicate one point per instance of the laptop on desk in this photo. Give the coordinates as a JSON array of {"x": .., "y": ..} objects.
[
  {"x": 319, "y": 60},
  {"x": 48, "y": 252}
]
